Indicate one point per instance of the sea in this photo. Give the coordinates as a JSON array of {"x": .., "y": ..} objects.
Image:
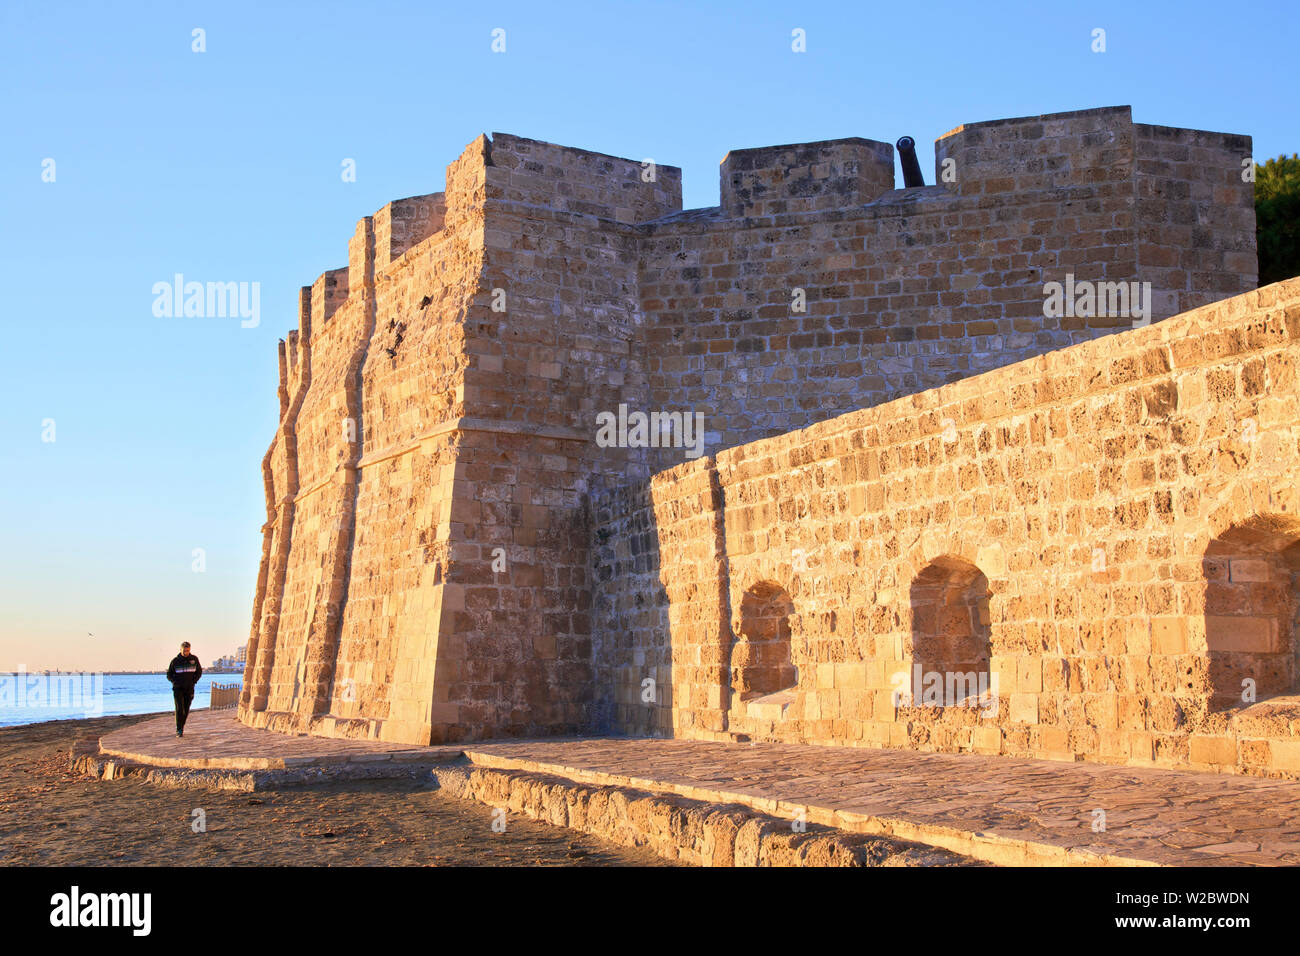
[{"x": 30, "y": 698}]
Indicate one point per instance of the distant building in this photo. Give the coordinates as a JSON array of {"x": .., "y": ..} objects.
[{"x": 228, "y": 664}]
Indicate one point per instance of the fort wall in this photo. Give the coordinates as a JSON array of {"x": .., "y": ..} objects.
[
  {"x": 770, "y": 314},
  {"x": 450, "y": 552},
  {"x": 1117, "y": 522}
]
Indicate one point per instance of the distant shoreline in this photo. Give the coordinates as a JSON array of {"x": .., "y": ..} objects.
[
  {"x": 53, "y": 673},
  {"x": 79, "y": 718},
  {"x": 53, "y": 817}
]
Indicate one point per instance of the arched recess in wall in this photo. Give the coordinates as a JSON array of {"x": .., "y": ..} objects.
[
  {"x": 950, "y": 626},
  {"x": 1252, "y": 611},
  {"x": 760, "y": 661}
]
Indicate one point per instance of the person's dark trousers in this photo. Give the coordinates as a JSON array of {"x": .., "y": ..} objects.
[{"x": 184, "y": 696}]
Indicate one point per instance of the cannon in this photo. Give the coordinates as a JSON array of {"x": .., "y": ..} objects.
[{"x": 911, "y": 168}]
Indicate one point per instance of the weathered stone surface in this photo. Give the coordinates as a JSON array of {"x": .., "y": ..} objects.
[
  {"x": 1119, "y": 619},
  {"x": 1000, "y": 810},
  {"x": 695, "y": 797},
  {"x": 677, "y": 828},
  {"x": 219, "y": 753},
  {"x": 910, "y": 465}
]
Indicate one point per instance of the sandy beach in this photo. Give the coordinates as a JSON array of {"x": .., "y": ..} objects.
[{"x": 51, "y": 816}]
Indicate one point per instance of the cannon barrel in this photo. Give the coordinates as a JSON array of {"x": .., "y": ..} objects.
[{"x": 911, "y": 168}]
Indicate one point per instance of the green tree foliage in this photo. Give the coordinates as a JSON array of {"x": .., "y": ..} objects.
[{"x": 1277, "y": 218}]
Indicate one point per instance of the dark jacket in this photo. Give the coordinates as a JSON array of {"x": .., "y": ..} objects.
[{"x": 184, "y": 672}]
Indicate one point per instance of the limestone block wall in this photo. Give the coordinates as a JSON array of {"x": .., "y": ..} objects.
[
  {"x": 425, "y": 572},
  {"x": 449, "y": 552},
  {"x": 805, "y": 177},
  {"x": 1109, "y": 534},
  {"x": 552, "y": 343},
  {"x": 411, "y": 385},
  {"x": 359, "y": 477},
  {"x": 1197, "y": 217},
  {"x": 904, "y": 290},
  {"x": 660, "y": 599}
]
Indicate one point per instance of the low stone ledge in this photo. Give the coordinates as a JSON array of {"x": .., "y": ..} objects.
[
  {"x": 994, "y": 849},
  {"x": 111, "y": 768},
  {"x": 219, "y": 742},
  {"x": 197, "y": 775},
  {"x": 678, "y": 828},
  {"x": 193, "y": 763}
]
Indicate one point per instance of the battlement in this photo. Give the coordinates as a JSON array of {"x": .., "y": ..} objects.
[
  {"x": 1100, "y": 152},
  {"x": 897, "y": 290},
  {"x": 405, "y": 223},
  {"x": 805, "y": 177},
  {"x": 1055, "y": 151},
  {"x": 1092, "y": 149},
  {"x": 579, "y": 181}
]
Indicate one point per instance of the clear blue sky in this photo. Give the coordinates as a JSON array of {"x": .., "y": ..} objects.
[{"x": 225, "y": 165}]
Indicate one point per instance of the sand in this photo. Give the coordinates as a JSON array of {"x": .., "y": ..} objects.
[{"x": 50, "y": 816}]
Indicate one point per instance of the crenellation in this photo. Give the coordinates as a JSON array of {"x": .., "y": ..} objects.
[
  {"x": 361, "y": 259},
  {"x": 1087, "y": 148},
  {"x": 404, "y": 223},
  {"x": 805, "y": 177},
  {"x": 581, "y": 182},
  {"x": 1198, "y": 214},
  {"x": 283, "y": 364},
  {"x": 466, "y": 190},
  {"x": 294, "y": 357},
  {"x": 327, "y": 293}
]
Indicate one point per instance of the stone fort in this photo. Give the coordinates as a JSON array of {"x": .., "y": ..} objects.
[{"x": 1088, "y": 521}]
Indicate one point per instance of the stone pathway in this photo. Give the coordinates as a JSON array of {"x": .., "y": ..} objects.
[
  {"x": 214, "y": 739},
  {"x": 999, "y": 809}
]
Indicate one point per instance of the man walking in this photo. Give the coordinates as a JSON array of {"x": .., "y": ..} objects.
[{"x": 184, "y": 672}]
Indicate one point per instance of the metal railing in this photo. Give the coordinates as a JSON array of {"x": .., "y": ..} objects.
[{"x": 224, "y": 695}]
